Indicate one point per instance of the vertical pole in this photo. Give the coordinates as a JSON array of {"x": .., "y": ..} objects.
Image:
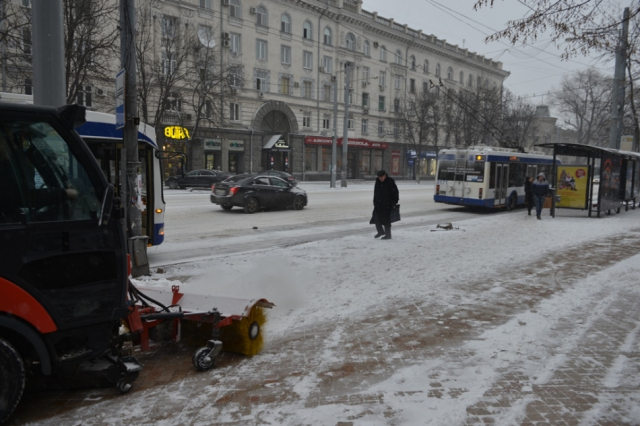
[
  {"x": 140, "y": 265},
  {"x": 345, "y": 131},
  {"x": 334, "y": 142},
  {"x": 617, "y": 104},
  {"x": 49, "y": 81}
]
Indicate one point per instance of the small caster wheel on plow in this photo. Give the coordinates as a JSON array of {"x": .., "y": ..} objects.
[
  {"x": 123, "y": 387},
  {"x": 204, "y": 357}
]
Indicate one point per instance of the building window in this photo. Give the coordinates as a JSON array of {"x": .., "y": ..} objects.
[
  {"x": 396, "y": 129},
  {"x": 206, "y": 4},
  {"x": 478, "y": 81},
  {"x": 28, "y": 86},
  {"x": 399, "y": 57},
  {"x": 307, "y": 89},
  {"x": 327, "y": 95},
  {"x": 173, "y": 102},
  {"x": 326, "y": 122},
  {"x": 366, "y": 48},
  {"x": 306, "y": 119},
  {"x": 412, "y": 86},
  {"x": 262, "y": 80},
  {"x": 398, "y": 82},
  {"x": 285, "y": 84},
  {"x": 168, "y": 27},
  {"x": 285, "y": 55},
  {"x": 285, "y": 24},
  {"x": 234, "y": 78},
  {"x": 365, "y": 126},
  {"x": 327, "y": 63},
  {"x": 311, "y": 159},
  {"x": 470, "y": 80},
  {"x": 396, "y": 105},
  {"x": 168, "y": 63},
  {"x": 234, "y": 111},
  {"x": 449, "y": 73},
  {"x": 382, "y": 79},
  {"x": 425, "y": 86},
  {"x": 351, "y": 123},
  {"x": 327, "y": 36},
  {"x": 235, "y": 11},
  {"x": 208, "y": 109},
  {"x": 461, "y": 80},
  {"x": 365, "y": 100},
  {"x": 381, "y": 105},
  {"x": 426, "y": 67},
  {"x": 261, "y": 50},
  {"x": 307, "y": 30},
  {"x": 381, "y": 127},
  {"x": 84, "y": 96},
  {"x": 413, "y": 63},
  {"x": 26, "y": 40},
  {"x": 438, "y": 70},
  {"x": 351, "y": 42},
  {"x": 262, "y": 18},
  {"x": 366, "y": 74},
  {"x": 307, "y": 60},
  {"x": 383, "y": 53},
  {"x": 234, "y": 44}
]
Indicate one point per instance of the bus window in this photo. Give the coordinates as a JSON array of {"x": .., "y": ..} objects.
[
  {"x": 492, "y": 176},
  {"x": 446, "y": 169},
  {"x": 516, "y": 174}
]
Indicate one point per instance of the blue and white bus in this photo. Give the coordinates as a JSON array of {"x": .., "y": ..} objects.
[
  {"x": 487, "y": 177},
  {"x": 106, "y": 144}
]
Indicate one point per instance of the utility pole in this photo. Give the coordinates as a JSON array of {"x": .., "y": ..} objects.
[
  {"x": 130, "y": 186},
  {"x": 334, "y": 142},
  {"x": 618, "y": 92},
  {"x": 49, "y": 82},
  {"x": 345, "y": 131}
]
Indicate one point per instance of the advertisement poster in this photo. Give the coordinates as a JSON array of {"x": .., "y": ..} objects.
[
  {"x": 609, "y": 182},
  {"x": 572, "y": 186}
]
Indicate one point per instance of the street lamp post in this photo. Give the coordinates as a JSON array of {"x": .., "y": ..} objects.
[{"x": 345, "y": 130}]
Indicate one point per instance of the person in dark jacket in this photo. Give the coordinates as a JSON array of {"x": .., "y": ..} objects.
[
  {"x": 540, "y": 189},
  {"x": 528, "y": 195},
  {"x": 385, "y": 197}
]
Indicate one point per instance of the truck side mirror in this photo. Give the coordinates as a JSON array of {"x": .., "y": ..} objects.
[{"x": 107, "y": 206}]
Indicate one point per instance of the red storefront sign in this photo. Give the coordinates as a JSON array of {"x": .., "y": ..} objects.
[{"x": 356, "y": 143}]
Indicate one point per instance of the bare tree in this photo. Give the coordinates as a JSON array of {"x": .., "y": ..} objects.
[
  {"x": 583, "y": 24},
  {"x": 584, "y": 100},
  {"x": 518, "y": 122}
]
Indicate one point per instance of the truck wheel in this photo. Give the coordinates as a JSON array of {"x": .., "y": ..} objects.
[{"x": 12, "y": 379}]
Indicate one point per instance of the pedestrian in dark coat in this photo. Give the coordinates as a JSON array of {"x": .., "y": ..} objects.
[
  {"x": 528, "y": 195},
  {"x": 540, "y": 189},
  {"x": 385, "y": 197}
]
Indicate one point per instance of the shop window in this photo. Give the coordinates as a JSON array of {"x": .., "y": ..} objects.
[
  {"x": 311, "y": 159},
  {"x": 377, "y": 160},
  {"x": 365, "y": 161}
]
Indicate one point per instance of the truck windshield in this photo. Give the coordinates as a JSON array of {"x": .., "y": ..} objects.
[{"x": 41, "y": 179}]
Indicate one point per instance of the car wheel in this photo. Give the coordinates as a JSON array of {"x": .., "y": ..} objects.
[
  {"x": 226, "y": 206},
  {"x": 12, "y": 379},
  {"x": 251, "y": 205},
  {"x": 298, "y": 202},
  {"x": 173, "y": 184}
]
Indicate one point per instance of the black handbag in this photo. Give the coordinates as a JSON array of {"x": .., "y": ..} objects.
[{"x": 395, "y": 213}]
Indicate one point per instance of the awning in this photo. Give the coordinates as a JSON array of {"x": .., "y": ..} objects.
[{"x": 271, "y": 142}]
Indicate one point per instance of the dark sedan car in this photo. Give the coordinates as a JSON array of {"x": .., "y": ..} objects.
[
  {"x": 197, "y": 178},
  {"x": 258, "y": 192},
  {"x": 284, "y": 175}
]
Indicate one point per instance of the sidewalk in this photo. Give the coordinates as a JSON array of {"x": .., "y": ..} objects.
[{"x": 560, "y": 347}]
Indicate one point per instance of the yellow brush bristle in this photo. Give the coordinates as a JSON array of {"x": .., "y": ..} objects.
[{"x": 235, "y": 337}]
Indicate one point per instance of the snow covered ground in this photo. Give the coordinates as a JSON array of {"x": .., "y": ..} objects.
[{"x": 478, "y": 324}]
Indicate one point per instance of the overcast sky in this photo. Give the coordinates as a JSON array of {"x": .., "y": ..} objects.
[{"x": 535, "y": 70}]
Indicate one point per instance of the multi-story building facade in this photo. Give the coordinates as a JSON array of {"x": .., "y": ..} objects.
[{"x": 293, "y": 54}]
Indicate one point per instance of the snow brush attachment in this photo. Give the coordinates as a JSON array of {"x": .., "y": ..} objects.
[{"x": 245, "y": 336}]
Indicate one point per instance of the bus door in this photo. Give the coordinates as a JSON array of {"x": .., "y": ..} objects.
[
  {"x": 458, "y": 177},
  {"x": 502, "y": 182}
]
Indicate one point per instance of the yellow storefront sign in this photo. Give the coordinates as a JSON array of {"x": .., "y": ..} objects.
[
  {"x": 176, "y": 132},
  {"x": 572, "y": 186}
]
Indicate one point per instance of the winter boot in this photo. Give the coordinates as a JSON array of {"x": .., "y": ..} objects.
[{"x": 387, "y": 235}]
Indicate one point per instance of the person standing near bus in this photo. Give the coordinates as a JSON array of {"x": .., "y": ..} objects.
[
  {"x": 540, "y": 189},
  {"x": 385, "y": 197},
  {"x": 528, "y": 195}
]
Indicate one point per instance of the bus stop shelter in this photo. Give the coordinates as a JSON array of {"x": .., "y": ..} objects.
[{"x": 614, "y": 174}]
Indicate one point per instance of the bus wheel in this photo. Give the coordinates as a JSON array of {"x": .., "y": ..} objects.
[
  {"x": 12, "y": 379},
  {"x": 512, "y": 203}
]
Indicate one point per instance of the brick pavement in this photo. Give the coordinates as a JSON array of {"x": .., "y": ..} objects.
[{"x": 372, "y": 346}]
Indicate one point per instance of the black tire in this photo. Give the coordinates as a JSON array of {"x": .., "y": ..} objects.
[
  {"x": 12, "y": 379},
  {"x": 173, "y": 184},
  {"x": 298, "y": 202},
  {"x": 512, "y": 203},
  {"x": 201, "y": 360},
  {"x": 226, "y": 207},
  {"x": 251, "y": 205},
  {"x": 123, "y": 387}
]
